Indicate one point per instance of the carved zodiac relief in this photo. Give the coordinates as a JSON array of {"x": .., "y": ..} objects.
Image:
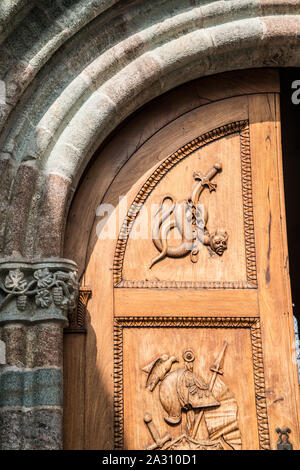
[
  {"x": 210, "y": 409},
  {"x": 190, "y": 218}
]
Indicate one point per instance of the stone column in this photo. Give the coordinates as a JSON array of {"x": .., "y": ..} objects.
[{"x": 35, "y": 299}]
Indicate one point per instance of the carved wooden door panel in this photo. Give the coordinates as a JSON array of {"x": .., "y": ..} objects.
[{"x": 189, "y": 339}]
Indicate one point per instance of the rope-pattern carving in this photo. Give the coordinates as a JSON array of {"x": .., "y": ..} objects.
[
  {"x": 191, "y": 322},
  {"x": 134, "y": 284},
  {"x": 259, "y": 384},
  {"x": 248, "y": 206},
  {"x": 162, "y": 170},
  {"x": 118, "y": 386},
  {"x": 185, "y": 322},
  {"x": 77, "y": 317}
]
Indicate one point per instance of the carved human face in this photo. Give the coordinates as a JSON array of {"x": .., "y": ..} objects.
[{"x": 218, "y": 242}]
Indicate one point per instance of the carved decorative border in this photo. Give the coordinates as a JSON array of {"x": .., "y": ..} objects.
[
  {"x": 186, "y": 284},
  {"x": 259, "y": 384},
  {"x": 243, "y": 128},
  {"x": 77, "y": 318},
  {"x": 252, "y": 323},
  {"x": 248, "y": 205}
]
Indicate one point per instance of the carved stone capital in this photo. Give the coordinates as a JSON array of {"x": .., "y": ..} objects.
[{"x": 37, "y": 290}]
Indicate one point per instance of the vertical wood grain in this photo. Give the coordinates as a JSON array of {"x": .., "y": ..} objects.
[{"x": 274, "y": 299}]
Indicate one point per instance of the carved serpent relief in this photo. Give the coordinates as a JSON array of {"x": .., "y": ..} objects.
[
  {"x": 183, "y": 392},
  {"x": 184, "y": 400},
  {"x": 242, "y": 127},
  {"x": 190, "y": 218}
]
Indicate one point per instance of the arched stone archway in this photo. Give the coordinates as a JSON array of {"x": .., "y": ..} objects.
[{"x": 73, "y": 71}]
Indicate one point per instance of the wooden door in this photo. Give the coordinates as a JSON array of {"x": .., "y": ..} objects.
[{"x": 179, "y": 230}]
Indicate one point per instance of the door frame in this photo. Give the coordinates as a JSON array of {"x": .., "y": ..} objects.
[{"x": 234, "y": 84}]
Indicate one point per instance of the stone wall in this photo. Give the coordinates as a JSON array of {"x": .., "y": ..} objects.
[{"x": 73, "y": 70}]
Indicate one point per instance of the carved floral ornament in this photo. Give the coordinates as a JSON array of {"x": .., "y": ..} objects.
[{"x": 32, "y": 287}]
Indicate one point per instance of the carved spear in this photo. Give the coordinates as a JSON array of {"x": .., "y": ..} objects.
[{"x": 216, "y": 369}]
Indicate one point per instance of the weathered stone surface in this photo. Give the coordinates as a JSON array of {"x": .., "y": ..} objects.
[
  {"x": 2, "y": 353},
  {"x": 44, "y": 32},
  {"x": 35, "y": 429},
  {"x": 229, "y": 11},
  {"x": 38, "y": 387},
  {"x": 244, "y": 33},
  {"x": 23, "y": 189},
  {"x": 181, "y": 51},
  {"x": 280, "y": 30},
  {"x": 15, "y": 80},
  {"x": 284, "y": 7},
  {"x": 32, "y": 34},
  {"x": 52, "y": 214},
  {"x": 32, "y": 346},
  {"x": 11, "y": 13},
  {"x": 8, "y": 8},
  {"x": 5, "y": 109},
  {"x": 133, "y": 79},
  {"x": 7, "y": 171}
]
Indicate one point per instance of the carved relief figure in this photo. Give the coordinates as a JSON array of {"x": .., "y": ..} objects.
[
  {"x": 210, "y": 409},
  {"x": 190, "y": 218}
]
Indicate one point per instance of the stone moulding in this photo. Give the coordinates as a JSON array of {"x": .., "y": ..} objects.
[
  {"x": 37, "y": 290},
  {"x": 251, "y": 323}
]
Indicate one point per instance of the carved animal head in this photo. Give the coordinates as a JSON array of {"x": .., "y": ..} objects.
[{"x": 218, "y": 242}]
